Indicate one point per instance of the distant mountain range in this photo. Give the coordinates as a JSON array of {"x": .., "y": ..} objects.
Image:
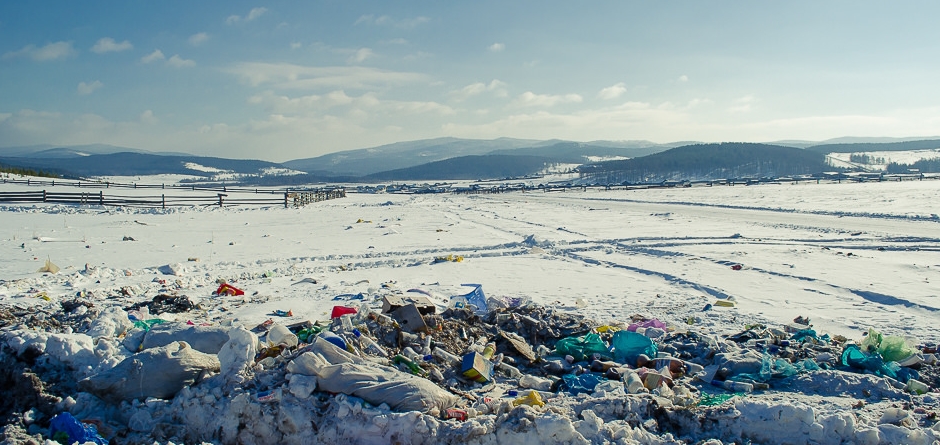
[{"x": 453, "y": 158}]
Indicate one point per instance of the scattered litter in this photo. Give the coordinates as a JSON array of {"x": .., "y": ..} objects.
[
  {"x": 49, "y": 267},
  {"x": 229, "y": 290},
  {"x": 64, "y": 428}
]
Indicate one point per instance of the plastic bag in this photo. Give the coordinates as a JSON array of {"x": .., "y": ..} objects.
[
  {"x": 853, "y": 357},
  {"x": 65, "y": 426},
  {"x": 584, "y": 383},
  {"x": 804, "y": 334},
  {"x": 772, "y": 367},
  {"x": 476, "y": 298},
  {"x": 626, "y": 346},
  {"x": 895, "y": 349},
  {"x": 892, "y": 348},
  {"x": 582, "y": 347},
  {"x": 654, "y": 323}
]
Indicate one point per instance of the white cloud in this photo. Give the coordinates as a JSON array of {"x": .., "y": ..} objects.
[
  {"x": 409, "y": 23},
  {"x": 295, "y": 45},
  {"x": 147, "y": 117},
  {"x": 360, "y": 55},
  {"x": 52, "y": 51},
  {"x": 252, "y": 15},
  {"x": 290, "y": 76},
  {"x": 496, "y": 47},
  {"x": 474, "y": 89},
  {"x": 153, "y": 57},
  {"x": 683, "y": 78},
  {"x": 742, "y": 104},
  {"x": 108, "y": 45},
  {"x": 255, "y": 13},
  {"x": 530, "y": 99},
  {"x": 339, "y": 103},
  {"x": 198, "y": 39},
  {"x": 612, "y": 92},
  {"x": 88, "y": 88},
  {"x": 417, "y": 55},
  {"x": 178, "y": 62}
]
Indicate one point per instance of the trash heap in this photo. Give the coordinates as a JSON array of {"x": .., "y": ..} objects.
[{"x": 498, "y": 364}]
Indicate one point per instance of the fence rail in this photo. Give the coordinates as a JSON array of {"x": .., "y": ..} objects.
[
  {"x": 136, "y": 186},
  {"x": 297, "y": 198}
]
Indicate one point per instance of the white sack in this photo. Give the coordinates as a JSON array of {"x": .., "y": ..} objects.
[
  {"x": 208, "y": 339},
  {"x": 158, "y": 372},
  {"x": 338, "y": 371}
]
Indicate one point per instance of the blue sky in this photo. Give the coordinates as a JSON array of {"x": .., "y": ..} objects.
[{"x": 287, "y": 80}]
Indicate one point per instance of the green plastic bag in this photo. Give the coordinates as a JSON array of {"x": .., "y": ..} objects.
[
  {"x": 627, "y": 346},
  {"x": 581, "y": 347},
  {"x": 892, "y": 348},
  {"x": 895, "y": 349}
]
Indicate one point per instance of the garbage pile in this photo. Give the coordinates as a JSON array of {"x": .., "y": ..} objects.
[{"x": 457, "y": 360}]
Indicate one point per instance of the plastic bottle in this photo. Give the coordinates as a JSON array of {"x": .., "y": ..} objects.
[
  {"x": 278, "y": 334},
  {"x": 731, "y": 385},
  {"x": 446, "y": 357},
  {"x": 411, "y": 354},
  {"x": 368, "y": 345},
  {"x": 489, "y": 350},
  {"x": 412, "y": 366},
  {"x": 693, "y": 368},
  {"x": 509, "y": 370},
  {"x": 426, "y": 347},
  {"x": 533, "y": 382},
  {"x": 346, "y": 322},
  {"x": 632, "y": 381},
  {"x": 599, "y": 366}
]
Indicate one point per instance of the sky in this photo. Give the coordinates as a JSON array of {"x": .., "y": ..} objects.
[{"x": 289, "y": 80}]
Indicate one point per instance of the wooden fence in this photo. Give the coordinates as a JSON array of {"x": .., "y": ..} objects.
[
  {"x": 297, "y": 198},
  {"x": 136, "y": 186}
]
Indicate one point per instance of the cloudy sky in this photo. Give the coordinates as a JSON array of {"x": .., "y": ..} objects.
[{"x": 286, "y": 80}]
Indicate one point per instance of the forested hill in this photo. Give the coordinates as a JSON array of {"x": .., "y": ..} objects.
[
  {"x": 709, "y": 161},
  {"x": 468, "y": 167},
  {"x": 866, "y": 147}
]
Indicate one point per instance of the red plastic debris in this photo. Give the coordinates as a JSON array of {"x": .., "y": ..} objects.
[
  {"x": 339, "y": 311},
  {"x": 737, "y": 267},
  {"x": 228, "y": 289}
]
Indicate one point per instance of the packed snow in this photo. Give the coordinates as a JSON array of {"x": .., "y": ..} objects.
[{"x": 849, "y": 260}]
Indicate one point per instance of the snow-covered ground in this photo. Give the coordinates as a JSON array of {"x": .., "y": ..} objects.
[
  {"x": 900, "y": 157},
  {"x": 849, "y": 257}
]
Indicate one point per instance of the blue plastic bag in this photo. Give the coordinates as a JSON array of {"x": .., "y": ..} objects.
[
  {"x": 476, "y": 298},
  {"x": 73, "y": 431},
  {"x": 584, "y": 383},
  {"x": 626, "y": 346}
]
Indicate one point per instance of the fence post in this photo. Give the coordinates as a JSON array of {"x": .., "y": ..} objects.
[
  {"x": 100, "y": 197},
  {"x": 221, "y": 195},
  {"x": 163, "y": 201},
  {"x": 285, "y": 199},
  {"x": 43, "y": 196}
]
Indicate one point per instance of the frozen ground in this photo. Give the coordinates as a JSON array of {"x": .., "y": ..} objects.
[{"x": 847, "y": 256}]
